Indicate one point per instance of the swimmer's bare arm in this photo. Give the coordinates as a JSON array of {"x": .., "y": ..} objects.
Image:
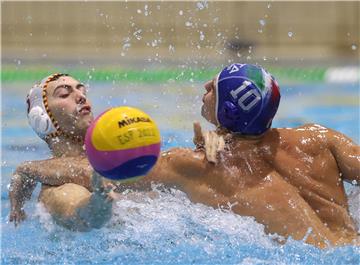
[
  {"x": 347, "y": 155},
  {"x": 53, "y": 172},
  {"x": 173, "y": 165},
  {"x": 58, "y": 171},
  {"x": 173, "y": 168}
]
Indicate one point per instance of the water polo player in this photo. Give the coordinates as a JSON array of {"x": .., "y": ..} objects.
[
  {"x": 59, "y": 112},
  {"x": 290, "y": 180}
]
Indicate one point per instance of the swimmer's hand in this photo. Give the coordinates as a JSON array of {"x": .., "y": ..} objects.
[
  {"x": 198, "y": 139},
  {"x": 20, "y": 190},
  {"x": 17, "y": 215},
  {"x": 210, "y": 141},
  {"x": 102, "y": 187}
]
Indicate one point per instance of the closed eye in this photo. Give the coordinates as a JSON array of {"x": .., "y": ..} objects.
[{"x": 82, "y": 88}]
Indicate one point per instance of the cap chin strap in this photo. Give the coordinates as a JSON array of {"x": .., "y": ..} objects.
[{"x": 217, "y": 98}]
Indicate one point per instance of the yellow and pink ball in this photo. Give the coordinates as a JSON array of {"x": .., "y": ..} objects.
[{"x": 123, "y": 143}]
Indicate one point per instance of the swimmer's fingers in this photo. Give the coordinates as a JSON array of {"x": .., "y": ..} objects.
[
  {"x": 106, "y": 192},
  {"x": 17, "y": 216},
  {"x": 198, "y": 135},
  {"x": 111, "y": 196}
]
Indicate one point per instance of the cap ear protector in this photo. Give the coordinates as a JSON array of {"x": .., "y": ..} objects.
[
  {"x": 231, "y": 111},
  {"x": 38, "y": 118},
  {"x": 39, "y": 115}
]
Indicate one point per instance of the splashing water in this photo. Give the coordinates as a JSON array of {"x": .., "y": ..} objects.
[{"x": 164, "y": 227}]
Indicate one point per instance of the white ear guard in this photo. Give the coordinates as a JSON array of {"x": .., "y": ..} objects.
[{"x": 38, "y": 118}]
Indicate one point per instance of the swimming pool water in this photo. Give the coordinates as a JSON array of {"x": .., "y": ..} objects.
[{"x": 167, "y": 229}]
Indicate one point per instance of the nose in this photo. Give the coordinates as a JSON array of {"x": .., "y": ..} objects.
[
  {"x": 208, "y": 85},
  {"x": 80, "y": 97}
]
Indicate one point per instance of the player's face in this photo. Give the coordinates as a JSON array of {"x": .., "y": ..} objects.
[
  {"x": 69, "y": 105},
  {"x": 209, "y": 100}
]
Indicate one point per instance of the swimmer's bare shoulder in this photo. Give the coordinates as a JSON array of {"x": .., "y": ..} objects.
[
  {"x": 315, "y": 141},
  {"x": 312, "y": 138}
]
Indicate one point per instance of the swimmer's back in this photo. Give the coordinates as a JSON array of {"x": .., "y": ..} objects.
[{"x": 307, "y": 157}]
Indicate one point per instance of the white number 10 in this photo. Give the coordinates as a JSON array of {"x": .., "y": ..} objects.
[{"x": 241, "y": 100}]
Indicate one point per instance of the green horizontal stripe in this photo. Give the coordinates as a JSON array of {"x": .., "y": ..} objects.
[{"x": 11, "y": 74}]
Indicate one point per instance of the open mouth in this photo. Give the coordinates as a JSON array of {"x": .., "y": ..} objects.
[{"x": 84, "y": 110}]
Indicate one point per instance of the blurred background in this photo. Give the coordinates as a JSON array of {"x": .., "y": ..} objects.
[
  {"x": 196, "y": 33},
  {"x": 157, "y": 55}
]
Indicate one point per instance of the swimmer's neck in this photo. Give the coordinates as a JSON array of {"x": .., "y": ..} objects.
[
  {"x": 62, "y": 146},
  {"x": 237, "y": 136}
]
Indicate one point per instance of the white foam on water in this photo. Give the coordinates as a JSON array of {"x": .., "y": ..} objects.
[
  {"x": 44, "y": 217},
  {"x": 170, "y": 214},
  {"x": 354, "y": 205}
]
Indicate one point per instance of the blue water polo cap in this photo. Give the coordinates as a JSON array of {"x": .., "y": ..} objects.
[{"x": 247, "y": 98}]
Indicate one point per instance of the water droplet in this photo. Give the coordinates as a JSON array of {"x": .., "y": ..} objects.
[
  {"x": 139, "y": 11},
  {"x": 262, "y": 22},
  {"x": 290, "y": 34},
  {"x": 353, "y": 47},
  {"x": 269, "y": 5},
  {"x": 171, "y": 48},
  {"x": 201, "y": 5},
  {"x": 181, "y": 12},
  {"x": 202, "y": 36}
]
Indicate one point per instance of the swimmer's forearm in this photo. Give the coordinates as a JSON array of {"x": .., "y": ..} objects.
[
  {"x": 97, "y": 211},
  {"x": 20, "y": 189}
]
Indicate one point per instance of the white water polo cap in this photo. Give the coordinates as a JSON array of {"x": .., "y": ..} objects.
[{"x": 39, "y": 115}]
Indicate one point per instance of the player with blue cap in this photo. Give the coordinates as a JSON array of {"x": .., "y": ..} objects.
[{"x": 247, "y": 98}]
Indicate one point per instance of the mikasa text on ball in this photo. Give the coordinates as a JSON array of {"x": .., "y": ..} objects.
[{"x": 122, "y": 143}]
